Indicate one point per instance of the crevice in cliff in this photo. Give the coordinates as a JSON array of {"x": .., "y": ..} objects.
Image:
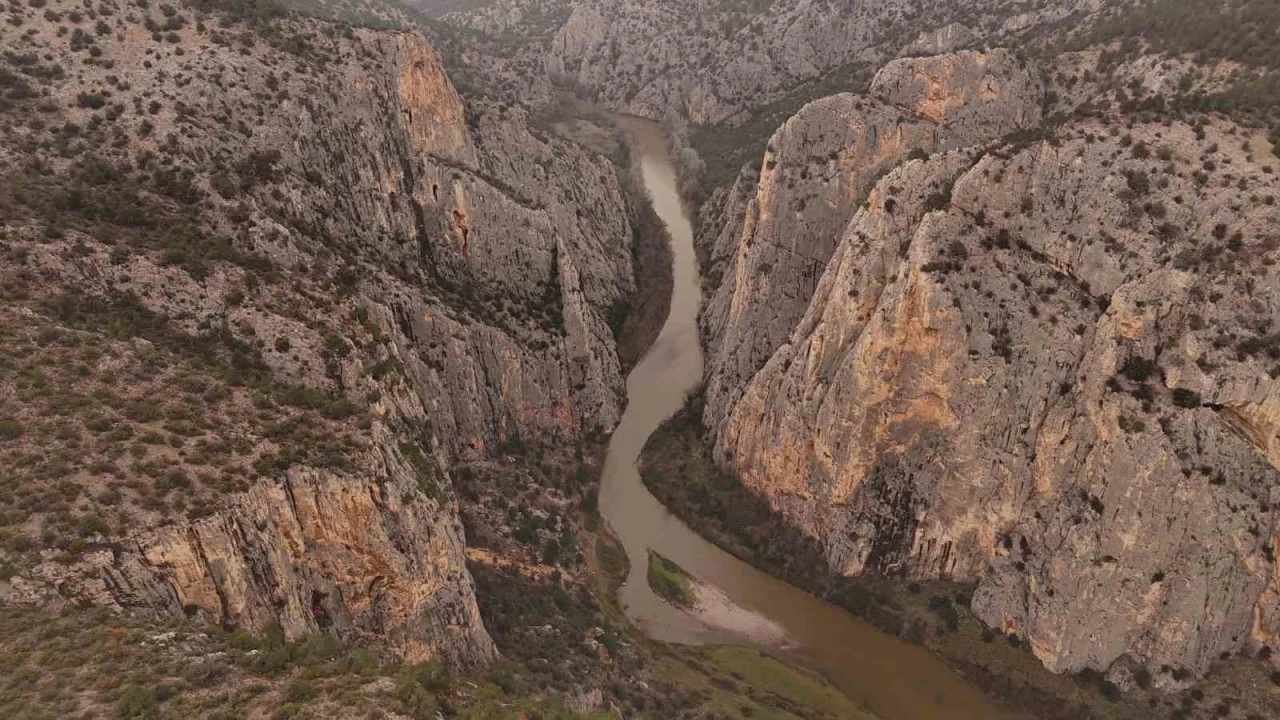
[
  {"x": 320, "y": 611},
  {"x": 224, "y": 618},
  {"x": 409, "y": 181}
]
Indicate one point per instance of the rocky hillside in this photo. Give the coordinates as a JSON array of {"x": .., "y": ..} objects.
[
  {"x": 718, "y": 61},
  {"x": 266, "y": 282},
  {"x": 1041, "y": 364}
]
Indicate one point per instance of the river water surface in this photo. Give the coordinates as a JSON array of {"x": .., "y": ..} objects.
[{"x": 891, "y": 678}]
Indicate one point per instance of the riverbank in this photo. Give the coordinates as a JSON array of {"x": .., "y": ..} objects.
[
  {"x": 716, "y": 680},
  {"x": 676, "y": 467},
  {"x": 636, "y": 323}
]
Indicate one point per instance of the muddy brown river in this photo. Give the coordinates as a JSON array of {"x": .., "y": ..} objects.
[{"x": 891, "y": 678}]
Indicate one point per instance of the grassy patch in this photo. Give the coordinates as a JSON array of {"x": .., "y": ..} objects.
[
  {"x": 738, "y": 682},
  {"x": 613, "y": 561},
  {"x": 669, "y": 580}
]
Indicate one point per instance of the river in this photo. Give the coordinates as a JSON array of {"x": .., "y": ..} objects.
[{"x": 891, "y": 678}]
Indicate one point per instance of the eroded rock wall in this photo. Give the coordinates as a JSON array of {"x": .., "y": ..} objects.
[{"x": 367, "y": 557}]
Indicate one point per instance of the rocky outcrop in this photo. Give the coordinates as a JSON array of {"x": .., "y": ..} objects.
[
  {"x": 971, "y": 95},
  {"x": 431, "y": 113},
  {"x": 817, "y": 170},
  {"x": 1044, "y": 370},
  {"x": 366, "y": 558}
]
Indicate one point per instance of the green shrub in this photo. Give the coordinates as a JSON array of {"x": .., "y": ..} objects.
[
  {"x": 93, "y": 101},
  {"x": 10, "y": 429},
  {"x": 136, "y": 702},
  {"x": 1138, "y": 369},
  {"x": 669, "y": 580},
  {"x": 300, "y": 690}
]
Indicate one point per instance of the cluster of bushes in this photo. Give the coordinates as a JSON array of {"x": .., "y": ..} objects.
[
  {"x": 231, "y": 360},
  {"x": 952, "y": 260},
  {"x": 669, "y": 580},
  {"x": 1240, "y": 31},
  {"x": 542, "y": 625},
  {"x": 116, "y": 206},
  {"x": 13, "y": 89},
  {"x": 111, "y": 665}
]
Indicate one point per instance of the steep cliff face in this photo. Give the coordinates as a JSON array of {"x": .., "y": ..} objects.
[
  {"x": 1044, "y": 369},
  {"x": 816, "y": 171},
  {"x": 432, "y": 115},
  {"x": 352, "y": 291},
  {"x": 521, "y": 242}
]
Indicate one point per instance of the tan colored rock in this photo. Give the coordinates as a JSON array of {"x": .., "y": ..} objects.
[
  {"x": 363, "y": 558},
  {"x": 971, "y": 94},
  {"x": 431, "y": 113}
]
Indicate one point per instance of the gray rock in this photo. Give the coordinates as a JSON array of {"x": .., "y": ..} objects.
[{"x": 945, "y": 39}]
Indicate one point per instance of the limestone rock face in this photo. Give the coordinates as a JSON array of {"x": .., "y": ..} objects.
[
  {"x": 817, "y": 170},
  {"x": 818, "y": 167},
  {"x": 495, "y": 254},
  {"x": 1044, "y": 369},
  {"x": 948, "y": 38}
]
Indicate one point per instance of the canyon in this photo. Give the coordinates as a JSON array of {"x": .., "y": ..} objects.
[{"x": 321, "y": 330}]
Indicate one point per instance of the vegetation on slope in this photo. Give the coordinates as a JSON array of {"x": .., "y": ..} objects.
[
  {"x": 87, "y": 662},
  {"x": 1242, "y": 36}
]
